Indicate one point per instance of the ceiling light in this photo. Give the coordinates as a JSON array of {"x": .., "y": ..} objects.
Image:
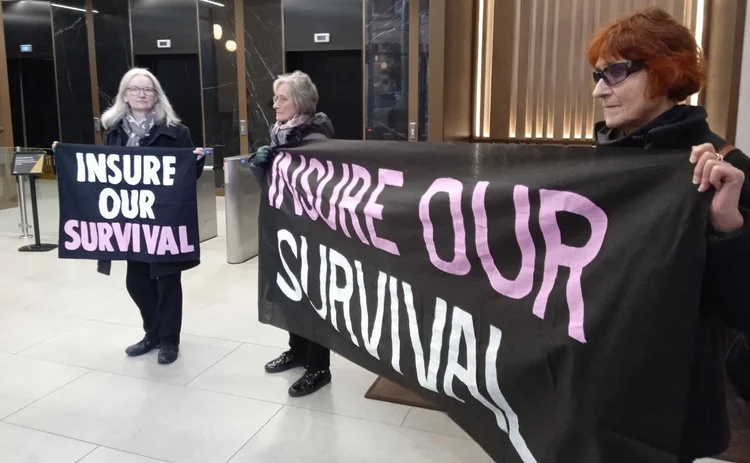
[
  {"x": 218, "y": 31},
  {"x": 231, "y": 45},
  {"x": 83, "y": 10},
  {"x": 213, "y": 3}
]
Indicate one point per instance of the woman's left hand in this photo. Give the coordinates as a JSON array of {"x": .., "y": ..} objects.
[
  {"x": 199, "y": 152},
  {"x": 712, "y": 170}
]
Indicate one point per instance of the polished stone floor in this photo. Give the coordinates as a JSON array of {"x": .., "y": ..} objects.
[{"x": 69, "y": 394}]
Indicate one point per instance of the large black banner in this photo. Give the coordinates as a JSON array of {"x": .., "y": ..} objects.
[
  {"x": 126, "y": 203},
  {"x": 545, "y": 297}
]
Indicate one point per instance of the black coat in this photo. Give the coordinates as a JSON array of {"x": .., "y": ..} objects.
[
  {"x": 161, "y": 136},
  {"x": 725, "y": 291}
]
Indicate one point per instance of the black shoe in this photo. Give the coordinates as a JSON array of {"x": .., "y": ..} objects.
[
  {"x": 168, "y": 354},
  {"x": 144, "y": 346},
  {"x": 310, "y": 382},
  {"x": 284, "y": 362}
]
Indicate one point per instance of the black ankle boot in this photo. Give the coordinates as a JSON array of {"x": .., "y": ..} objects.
[
  {"x": 144, "y": 346},
  {"x": 310, "y": 382},
  {"x": 168, "y": 354},
  {"x": 284, "y": 362}
]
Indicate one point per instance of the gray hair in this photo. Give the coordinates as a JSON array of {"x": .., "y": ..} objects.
[
  {"x": 163, "y": 112},
  {"x": 303, "y": 90}
]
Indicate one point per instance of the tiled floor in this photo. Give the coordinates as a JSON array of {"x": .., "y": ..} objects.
[{"x": 69, "y": 394}]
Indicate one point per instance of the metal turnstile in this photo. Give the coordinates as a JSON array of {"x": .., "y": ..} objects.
[
  {"x": 208, "y": 224},
  {"x": 242, "y": 195}
]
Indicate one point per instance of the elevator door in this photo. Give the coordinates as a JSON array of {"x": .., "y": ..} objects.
[
  {"x": 33, "y": 104},
  {"x": 179, "y": 75},
  {"x": 338, "y": 76}
]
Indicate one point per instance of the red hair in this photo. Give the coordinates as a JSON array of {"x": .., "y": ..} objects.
[{"x": 675, "y": 63}]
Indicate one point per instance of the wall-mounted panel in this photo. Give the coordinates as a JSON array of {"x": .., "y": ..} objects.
[
  {"x": 27, "y": 23},
  {"x": 173, "y": 20},
  {"x": 341, "y": 19}
]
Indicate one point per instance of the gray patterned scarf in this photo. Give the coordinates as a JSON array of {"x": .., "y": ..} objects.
[
  {"x": 280, "y": 132},
  {"x": 137, "y": 130}
]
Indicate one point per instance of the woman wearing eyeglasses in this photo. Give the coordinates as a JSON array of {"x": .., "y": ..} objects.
[
  {"x": 646, "y": 65},
  {"x": 143, "y": 116},
  {"x": 295, "y": 101}
]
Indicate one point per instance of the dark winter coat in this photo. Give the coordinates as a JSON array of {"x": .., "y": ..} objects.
[
  {"x": 319, "y": 127},
  {"x": 161, "y": 136},
  {"x": 725, "y": 301}
]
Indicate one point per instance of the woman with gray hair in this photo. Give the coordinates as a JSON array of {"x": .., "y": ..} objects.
[
  {"x": 141, "y": 115},
  {"x": 295, "y": 101}
]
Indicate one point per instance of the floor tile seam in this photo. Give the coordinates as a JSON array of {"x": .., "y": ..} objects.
[
  {"x": 378, "y": 422},
  {"x": 97, "y": 446},
  {"x": 89, "y": 453},
  {"x": 97, "y": 370},
  {"x": 255, "y": 434},
  {"x": 3, "y": 420},
  {"x": 233, "y": 340},
  {"x": 109, "y": 322},
  {"x": 54, "y": 336},
  {"x": 160, "y": 460},
  {"x": 150, "y": 380},
  {"x": 405, "y": 417},
  {"x": 214, "y": 364}
]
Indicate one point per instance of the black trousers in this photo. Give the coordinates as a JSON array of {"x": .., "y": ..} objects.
[
  {"x": 159, "y": 300},
  {"x": 318, "y": 357}
]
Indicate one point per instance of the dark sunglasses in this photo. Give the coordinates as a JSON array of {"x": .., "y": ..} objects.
[{"x": 617, "y": 72}]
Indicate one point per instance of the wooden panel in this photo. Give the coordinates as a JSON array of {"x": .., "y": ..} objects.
[
  {"x": 239, "y": 24},
  {"x": 93, "y": 68},
  {"x": 459, "y": 36},
  {"x": 437, "y": 70},
  {"x": 6, "y": 119},
  {"x": 536, "y": 84},
  {"x": 725, "y": 30},
  {"x": 504, "y": 70},
  {"x": 200, "y": 66}
]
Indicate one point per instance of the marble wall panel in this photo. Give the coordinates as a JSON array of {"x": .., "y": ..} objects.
[
  {"x": 386, "y": 69},
  {"x": 113, "y": 47},
  {"x": 72, "y": 73},
  {"x": 263, "y": 63},
  {"x": 218, "y": 47}
]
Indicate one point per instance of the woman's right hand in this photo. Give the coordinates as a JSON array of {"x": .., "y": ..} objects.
[
  {"x": 262, "y": 157},
  {"x": 260, "y": 161},
  {"x": 54, "y": 144}
]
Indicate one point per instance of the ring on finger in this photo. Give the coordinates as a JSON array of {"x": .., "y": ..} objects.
[{"x": 720, "y": 157}]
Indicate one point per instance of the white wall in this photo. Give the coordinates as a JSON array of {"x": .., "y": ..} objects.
[{"x": 743, "y": 112}]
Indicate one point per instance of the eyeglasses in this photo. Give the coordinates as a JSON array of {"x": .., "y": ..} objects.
[
  {"x": 280, "y": 99},
  {"x": 134, "y": 91},
  {"x": 617, "y": 72}
]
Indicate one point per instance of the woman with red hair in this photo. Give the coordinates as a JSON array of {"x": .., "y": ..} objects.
[{"x": 644, "y": 67}]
